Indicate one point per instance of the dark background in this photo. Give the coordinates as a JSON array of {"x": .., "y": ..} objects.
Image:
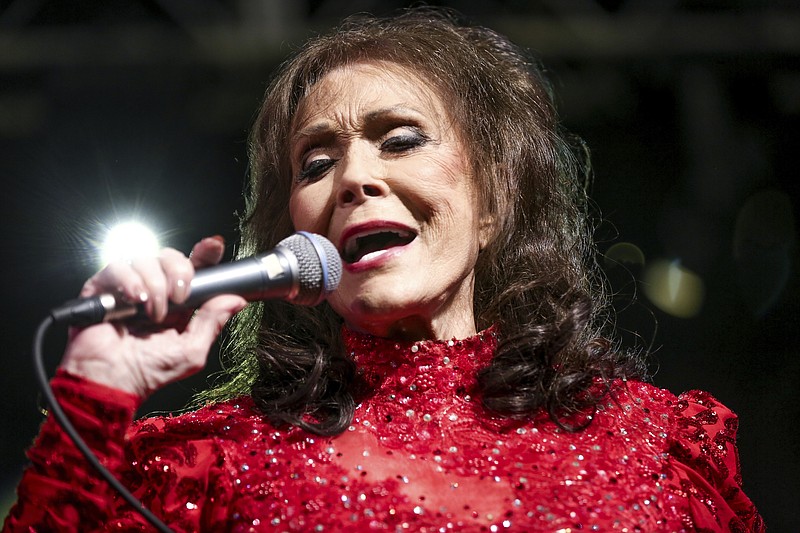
[{"x": 120, "y": 108}]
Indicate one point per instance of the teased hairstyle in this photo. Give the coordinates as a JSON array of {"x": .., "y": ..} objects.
[{"x": 536, "y": 280}]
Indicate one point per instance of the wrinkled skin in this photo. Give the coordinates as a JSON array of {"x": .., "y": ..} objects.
[{"x": 141, "y": 361}]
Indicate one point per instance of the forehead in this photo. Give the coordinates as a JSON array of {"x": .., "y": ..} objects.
[{"x": 365, "y": 87}]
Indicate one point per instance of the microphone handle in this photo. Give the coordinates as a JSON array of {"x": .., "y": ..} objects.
[{"x": 274, "y": 274}]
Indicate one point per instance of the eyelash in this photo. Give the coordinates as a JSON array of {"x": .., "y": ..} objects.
[
  {"x": 393, "y": 145},
  {"x": 404, "y": 142},
  {"x": 315, "y": 169}
]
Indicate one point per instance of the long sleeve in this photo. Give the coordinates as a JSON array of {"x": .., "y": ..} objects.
[
  {"x": 60, "y": 490},
  {"x": 170, "y": 473}
]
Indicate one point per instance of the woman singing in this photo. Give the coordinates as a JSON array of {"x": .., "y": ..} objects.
[{"x": 460, "y": 377}]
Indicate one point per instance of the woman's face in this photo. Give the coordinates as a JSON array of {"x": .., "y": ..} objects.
[{"x": 379, "y": 169}]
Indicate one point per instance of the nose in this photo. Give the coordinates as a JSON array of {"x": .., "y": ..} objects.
[{"x": 360, "y": 178}]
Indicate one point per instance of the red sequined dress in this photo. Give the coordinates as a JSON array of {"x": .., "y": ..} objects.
[{"x": 421, "y": 455}]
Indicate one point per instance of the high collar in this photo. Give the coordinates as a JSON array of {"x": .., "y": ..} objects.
[{"x": 422, "y": 366}]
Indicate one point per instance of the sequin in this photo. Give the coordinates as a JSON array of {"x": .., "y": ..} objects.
[{"x": 454, "y": 466}]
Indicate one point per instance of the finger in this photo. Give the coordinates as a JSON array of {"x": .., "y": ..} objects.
[
  {"x": 117, "y": 277},
  {"x": 208, "y": 251},
  {"x": 209, "y": 319},
  {"x": 179, "y": 272},
  {"x": 156, "y": 286}
]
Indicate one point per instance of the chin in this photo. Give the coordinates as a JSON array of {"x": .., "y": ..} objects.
[{"x": 374, "y": 313}]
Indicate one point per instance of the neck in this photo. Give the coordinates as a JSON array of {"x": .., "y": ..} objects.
[{"x": 415, "y": 328}]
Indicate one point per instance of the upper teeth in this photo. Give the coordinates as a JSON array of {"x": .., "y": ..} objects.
[{"x": 352, "y": 245}]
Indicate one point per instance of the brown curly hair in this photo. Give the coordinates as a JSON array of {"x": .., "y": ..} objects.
[{"x": 537, "y": 280}]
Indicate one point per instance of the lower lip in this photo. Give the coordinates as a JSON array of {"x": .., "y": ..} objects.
[{"x": 376, "y": 261}]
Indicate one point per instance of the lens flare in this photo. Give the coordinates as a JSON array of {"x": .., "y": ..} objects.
[
  {"x": 673, "y": 288},
  {"x": 624, "y": 254},
  {"x": 127, "y": 241}
]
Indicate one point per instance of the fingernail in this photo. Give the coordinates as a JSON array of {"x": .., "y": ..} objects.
[
  {"x": 180, "y": 291},
  {"x": 219, "y": 238},
  {"x": 143, "y": 297},
  {"x": 159, "y": 309}
]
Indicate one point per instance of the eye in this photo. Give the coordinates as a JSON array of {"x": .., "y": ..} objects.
[
  {"x": 403, "y": 139},
  {"x": 314, "y": 167}
]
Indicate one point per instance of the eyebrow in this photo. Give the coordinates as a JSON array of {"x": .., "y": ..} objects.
[
  {"x": 397, "y": 110},
  {"x": 314, "y": 130}
]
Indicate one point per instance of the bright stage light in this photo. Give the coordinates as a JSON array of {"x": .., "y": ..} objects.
[{"x": 128, "y": 241}]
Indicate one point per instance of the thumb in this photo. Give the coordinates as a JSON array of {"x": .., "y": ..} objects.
[{"x": 209, "y": 319}]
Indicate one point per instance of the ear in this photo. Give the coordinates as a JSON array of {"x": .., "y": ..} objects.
[{"x": 487, "y": 230}]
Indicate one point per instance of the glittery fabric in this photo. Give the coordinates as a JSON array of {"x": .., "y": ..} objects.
[{"x": 421, "y": 455}]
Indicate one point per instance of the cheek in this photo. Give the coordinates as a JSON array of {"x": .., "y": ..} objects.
[
  {"x": 295, "y": 209},
  {"x": 307, "y": 210},
  {"x": 449, "y": 190}
]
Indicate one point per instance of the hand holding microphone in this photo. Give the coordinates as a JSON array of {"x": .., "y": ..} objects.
[{"x": 302, "y": 269}]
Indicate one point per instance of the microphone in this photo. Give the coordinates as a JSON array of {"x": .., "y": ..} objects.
[{"x": 302, "y": 269}]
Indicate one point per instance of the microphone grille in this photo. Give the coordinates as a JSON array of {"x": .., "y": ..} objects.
[{"x": 318, "y": 263}]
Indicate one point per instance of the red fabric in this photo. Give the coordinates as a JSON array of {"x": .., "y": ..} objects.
[{"x": 422, "y": 455}]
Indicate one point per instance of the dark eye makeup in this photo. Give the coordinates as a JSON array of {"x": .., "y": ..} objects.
[
  {"x": 409, "y": 139},
  {"x": 315, "y": 169},
  {"x": 397, "y": 140}
]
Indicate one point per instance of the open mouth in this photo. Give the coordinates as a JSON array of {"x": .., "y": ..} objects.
[{"x": 372, "y": 243}]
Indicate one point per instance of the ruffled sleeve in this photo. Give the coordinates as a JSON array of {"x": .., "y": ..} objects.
[
  {"x": 60, "y": 490},
  {"x": 170, "y": 473},
  {"x": 705, "y": 467}
]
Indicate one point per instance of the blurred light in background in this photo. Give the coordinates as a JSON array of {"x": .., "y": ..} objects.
[
  {"x": 624, "y": 254},
  {"x": 673, "y": 288},
  {"x": 127, "y": 241},
  {"x": 763, "y": 243}
]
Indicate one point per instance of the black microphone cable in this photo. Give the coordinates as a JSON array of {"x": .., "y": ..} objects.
[{"x": 69, "y": 429}]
